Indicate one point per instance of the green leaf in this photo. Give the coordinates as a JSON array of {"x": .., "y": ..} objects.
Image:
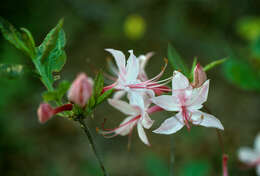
[
  {"x": 50, "y": 41},
  {"x": 51, "y": 56},
  {"x": 104, "y": 96},
  {"x": 57, "y": 95},
  {"x": 194, "y": 63},
  {"x": 214, "y": 64},
  {"x": 255, "y": 49},
  {"x": 176, "y": 60},
  {"x": 98, "y": 84},
  {"x": 242, "y": 74},
  {"x": 21, "y": 39},
  {"x": 11, "y": 70}
]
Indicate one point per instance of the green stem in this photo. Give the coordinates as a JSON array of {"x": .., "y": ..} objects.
[{"x": 92, "y": 144}]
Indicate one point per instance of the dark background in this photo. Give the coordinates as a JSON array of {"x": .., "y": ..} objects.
[{"x": 208, "y": 29}]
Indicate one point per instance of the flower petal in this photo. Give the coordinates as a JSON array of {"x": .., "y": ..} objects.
[
  {"x": 119, "y": 94},
  {"x": 179, "y": 81},
  {"x": 257, "y": 143},
  {"x": 136, "y": 98},
  {"x": 147, "y": 122},
  {"x": 247, "y": 155},
  {"x": 125, "y": 130},
  {"x": 167, "y": 102},
  {"x": 132, "y": 68},
  {"x": 198, "y": 96},
  {"x": 123, "y": 107},
  {"x": 119, "y": 58},
  {"x": 207, "y": 120},
  {"x": 170, "y": 126},
  {"x": 142, "y": 134}
]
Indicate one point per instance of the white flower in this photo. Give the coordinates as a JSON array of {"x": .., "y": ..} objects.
[
  {"x": 251, "y": 156},
  {"x": 137, "y": 115},
  {"x": 143, "y": 60},
  {"x": 187, "y": 101},
  {"x": 128, "y": 75}
]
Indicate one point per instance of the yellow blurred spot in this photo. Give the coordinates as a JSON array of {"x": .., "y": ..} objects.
[
  {"x": 249, "y": 27},
  {"x": 134, "y": 27}
]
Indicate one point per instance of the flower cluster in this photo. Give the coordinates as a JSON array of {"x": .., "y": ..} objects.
[{"x": 186, "y": 100}]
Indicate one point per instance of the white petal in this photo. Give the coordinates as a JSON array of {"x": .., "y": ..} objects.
[
  {"x": 247, "y": 155},
  {"x": 179, "y": 81},
  {"x": 207, "y": 120},
  {"x": 198, "y": 96},
  {"x": 142, "y": 134},
  {"x": 147, "y": 122},
  {"x": 118, "y": 94},
  {"x": 170, "y": 126},
  {"x": 257, "y": 143},
  {"x": 123, "y": 107},
  {"x": 258, "y": 170},
  {"x": 132, "y": 68},
  {"x": 136, "y": 98},
  {"x": 119, "y": 58},
  {"x": 125, "y": 130},
  {"x": 167, "y": 102}
]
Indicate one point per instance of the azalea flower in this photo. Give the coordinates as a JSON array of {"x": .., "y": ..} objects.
[
  {"x": 187, "y": 101},
  {"x": 138, "y": 115},
  {"x": 128, "y": 75},
  {"x": 80, "y": 90},
  {"x": 251, "y": 156},
  {"x": 143, "y": 60}
]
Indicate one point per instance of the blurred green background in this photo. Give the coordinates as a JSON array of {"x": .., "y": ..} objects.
[{"x": 208, "y": 29}]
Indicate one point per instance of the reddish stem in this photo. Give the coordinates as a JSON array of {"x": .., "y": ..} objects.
[{"x": 224, "y": 164}]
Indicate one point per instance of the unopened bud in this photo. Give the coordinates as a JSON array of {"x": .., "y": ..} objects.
[
  {"x": 199, "y": 76},
  {"x": 44, "y": 112},
  {"x": 80, "y": 90}
]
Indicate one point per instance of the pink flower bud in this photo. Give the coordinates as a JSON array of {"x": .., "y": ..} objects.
[
  {"x": 199, "y": 76},
  {"x": 45, "y": 112},
  {"x": 80, "y": 90}
]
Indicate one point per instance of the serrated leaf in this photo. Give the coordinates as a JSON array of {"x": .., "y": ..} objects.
[
  {"x": 51, "y": 56},
  {"x": 21, "y": 39},
  {"x": 98, "y": 84},
  {"x": 176, "y": 60},
  {"x": 11, "y": 70},
  {"x": 50, "y": 42},
  {"x": 214, "y": 64},
  {"x": 104, "y": 96}
]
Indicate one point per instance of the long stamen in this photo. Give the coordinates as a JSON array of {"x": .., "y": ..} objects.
[{"x": 110, "y": 131}]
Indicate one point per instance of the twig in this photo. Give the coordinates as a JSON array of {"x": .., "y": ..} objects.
[{"x": 84, "y": 126}]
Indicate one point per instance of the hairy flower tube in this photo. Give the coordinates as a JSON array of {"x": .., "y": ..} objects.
[
  {"x": 80, "y": 90},
  {"x": 186, "y": 101},
  {"x": 45, "y": 111},
  {"x": 251, "y": 157}
]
